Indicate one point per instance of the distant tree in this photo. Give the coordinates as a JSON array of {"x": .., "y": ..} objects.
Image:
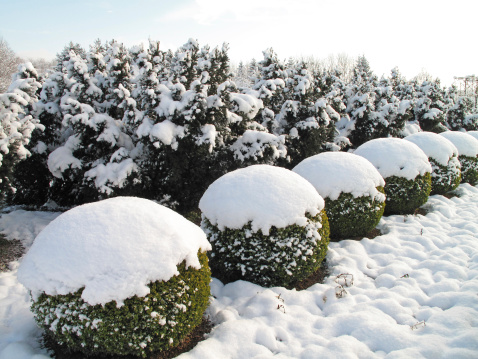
[
  {"x": 423, "y": 76},
  {"x": 42, "y": 66},
  {"x": 242, "y": 78},
  {"x": 253, "y": 70},
  {"x": 8, "y": 65}
]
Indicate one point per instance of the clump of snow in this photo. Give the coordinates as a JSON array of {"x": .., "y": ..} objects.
[
  {"x": 62, "y": 158},
  {"x": 434, "y": 146},
  {"x": 410, "y": 128},
  {"x": 253, "y": 144},
  {"x": 395, "y": 157},
  {"x": 112, "y": 174},
  {"x": 333, "y": 173},
  {"x": 264, "y": 195},
  {"x": 466, "y": 144},
  {"x": 113, "y": 248},
  {"x": 168, "y": 133}
]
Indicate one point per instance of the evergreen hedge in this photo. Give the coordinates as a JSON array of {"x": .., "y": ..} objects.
[
  {"x": 353, "y": 217},
  {"x": 445, "y": 178},
  {"x": 158, "y": 321},
  {"x": 405, "y": 196},
  {"x": 285, "y": 256}
]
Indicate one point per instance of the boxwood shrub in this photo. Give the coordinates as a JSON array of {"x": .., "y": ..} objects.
[
  {"x": 142, "y": 325},
  {"x": 285, "y": 256},
  {"x": 469, "y": 169},
  {"x": 352, "y": 217},
  {"x": 445, "y": 178},
  {"x": 404, "y": 196}
]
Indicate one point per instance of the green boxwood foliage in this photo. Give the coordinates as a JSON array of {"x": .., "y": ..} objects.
[
  {"x": 142, "y": 325},
  {"x": 445, "y": 178},
  {"x": 405, "y": 196},
  {"x": 469, "y": 169},
  {"x": 352, "y": 217},
  {"x": 285, "y": 256}
]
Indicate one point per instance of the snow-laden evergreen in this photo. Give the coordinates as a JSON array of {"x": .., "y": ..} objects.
[
  {"x": 17, "y": 124},
  {"x": 461, "y": 116},
  {"x": 430, "y": 107},
  {"x": 149, "y": 122}
]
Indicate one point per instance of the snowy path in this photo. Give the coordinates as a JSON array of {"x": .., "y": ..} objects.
[{"x": 422, "y": 273}]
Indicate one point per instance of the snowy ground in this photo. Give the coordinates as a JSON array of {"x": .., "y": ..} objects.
[{"x": 412, "y": 293}]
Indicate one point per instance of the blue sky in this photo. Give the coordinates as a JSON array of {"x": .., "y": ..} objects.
[{"x": 434, "y": 35}]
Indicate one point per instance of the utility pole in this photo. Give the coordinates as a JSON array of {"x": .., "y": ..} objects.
[{"x": 467, "y": 86}]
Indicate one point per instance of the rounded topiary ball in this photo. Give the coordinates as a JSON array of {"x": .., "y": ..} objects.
[
  {"x": 405, "y": 169},
  {"x": 352, "y": 189},
  {"x": 266, "y": 225},
  {"x": 473, "y": 133},
  {"x": 443, "y": 157},
  {"x": 467, "y": 147},
  {"x": 117, "y": 277}
]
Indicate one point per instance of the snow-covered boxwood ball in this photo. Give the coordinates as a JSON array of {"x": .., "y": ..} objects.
[
  {"x": 352, "y": 189},
  {"x": 467, "y": 147},
  {"x": 473, "y": 133},
  {"x": 443, "y": 157},
  {"x": 117, "y": 277},
  {"x": 405, "y": 169},
  {"x": 266, "y": 225}
]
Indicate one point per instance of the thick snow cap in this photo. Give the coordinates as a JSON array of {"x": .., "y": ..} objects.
[
  {"x": 333, "y": 173},
  {"x": 473, "y": 133},
  {"x": 434, "y": 146},
  {"x": 395, "y": 157},
  {"x": 114, "y": 248},
  {"x": 466, "y": 144},
  {"x": 264, "y": 195}
]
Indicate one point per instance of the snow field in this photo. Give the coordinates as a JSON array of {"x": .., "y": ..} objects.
[
  {"x": 413, "y": 295},
  {"x": 421, "y": 273}
]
